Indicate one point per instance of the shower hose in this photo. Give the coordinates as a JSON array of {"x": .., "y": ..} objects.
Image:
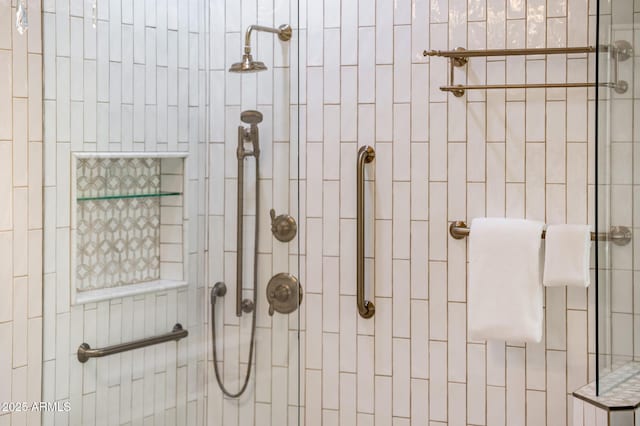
[{"x": 255, "y": 299}]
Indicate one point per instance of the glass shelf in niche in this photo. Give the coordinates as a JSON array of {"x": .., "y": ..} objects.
[{"x": 129, "y": 196}]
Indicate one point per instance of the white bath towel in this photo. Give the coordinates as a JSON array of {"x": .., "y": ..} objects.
[
  {"x": 566, "y": 258},
  {"x": 505, "y": 287}
]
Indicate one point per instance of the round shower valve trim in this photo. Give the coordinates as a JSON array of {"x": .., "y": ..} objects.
[
  {"x": 283, "y": 227},
  {"x": 284, "y": 293}
]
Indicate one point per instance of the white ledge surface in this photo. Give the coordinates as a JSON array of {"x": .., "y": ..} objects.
[
  {"x": 127, "y": 290},
  {"x": 139, "y": 154}
]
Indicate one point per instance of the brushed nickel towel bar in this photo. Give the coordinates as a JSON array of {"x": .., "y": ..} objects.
[
  {"x": 620, "y": 51},
  {"x": 85, "y": 352},
  {"x": 366, "y": 308},
  {"x": 461, "y": 53},
  {"x": 463, "y": 87},
  {"x": 458, "y": 89},
  {"x": 619, "y": 235}
]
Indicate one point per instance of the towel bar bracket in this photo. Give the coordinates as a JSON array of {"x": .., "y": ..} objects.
[{"x": 458, "y": 230}]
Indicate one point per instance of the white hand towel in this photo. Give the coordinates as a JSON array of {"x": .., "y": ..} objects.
[
  {"x": 505, "y": 289},
  {"x": 566, "y": 259}
]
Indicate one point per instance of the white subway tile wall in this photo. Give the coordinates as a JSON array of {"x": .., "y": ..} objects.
[
  {"x": 133, "y": 82},
  {"x": 136, "y": 82},
  {"x": 519, "y": 153},
  {"x": 21, "y": 226}
]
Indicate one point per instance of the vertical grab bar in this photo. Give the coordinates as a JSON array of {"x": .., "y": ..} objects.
[{"x": 366, "y": 308}]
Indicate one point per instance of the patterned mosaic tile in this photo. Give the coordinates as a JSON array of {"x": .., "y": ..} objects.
[
  {"x": 118, "y": 240},
  {"x": 100, "y": 177}
]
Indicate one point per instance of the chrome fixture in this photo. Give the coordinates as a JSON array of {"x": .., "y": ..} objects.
[
  {"x": 366, "y": 308},
  {"x": 85, "y": 352},
  {"x": 283, "y": 227},
  {"x": 22, "y": 17},
  {"x": 620, "y": 51},
  {"x": 245, "y": 135},
  {"x": 94, "y": 13},
  {"x": 248, "y": 65},
  {"x": 619, "y": 235},
  {"x": 284, "y": 293}
]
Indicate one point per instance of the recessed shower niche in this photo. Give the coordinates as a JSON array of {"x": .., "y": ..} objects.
[{"x": 128, "y": 224}]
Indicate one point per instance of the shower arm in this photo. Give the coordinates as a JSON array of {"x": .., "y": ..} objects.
[{"x": 284, "y": 33}]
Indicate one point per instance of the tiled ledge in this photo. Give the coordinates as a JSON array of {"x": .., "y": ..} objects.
[
  {"x": 620, "y": 389},
  {"x": 91, "y": 296}
]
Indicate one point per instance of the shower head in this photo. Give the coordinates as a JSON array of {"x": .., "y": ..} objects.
[
  {"x": 248, "y": 65},
  {"x": 251, "y": 117}
]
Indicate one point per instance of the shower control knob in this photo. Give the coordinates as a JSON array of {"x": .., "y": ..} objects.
[
  {"x": 247, "y": 306},
  {"x": 284, "y": 294},
  {"x": 283, "y": 227}
]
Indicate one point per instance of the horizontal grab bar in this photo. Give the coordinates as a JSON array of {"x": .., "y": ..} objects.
[
  {"x": 619, "y": 235},
  {"x": 85, "y": 352}
]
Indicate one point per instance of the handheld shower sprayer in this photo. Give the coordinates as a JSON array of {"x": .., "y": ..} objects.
[{"x": 252, "y": 118}]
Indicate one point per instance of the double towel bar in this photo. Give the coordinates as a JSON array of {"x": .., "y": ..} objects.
[
  {"x": 620, "y": 51},
  {"x": 85, "y": 352},
  {"x": 619, "y": 235}
]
